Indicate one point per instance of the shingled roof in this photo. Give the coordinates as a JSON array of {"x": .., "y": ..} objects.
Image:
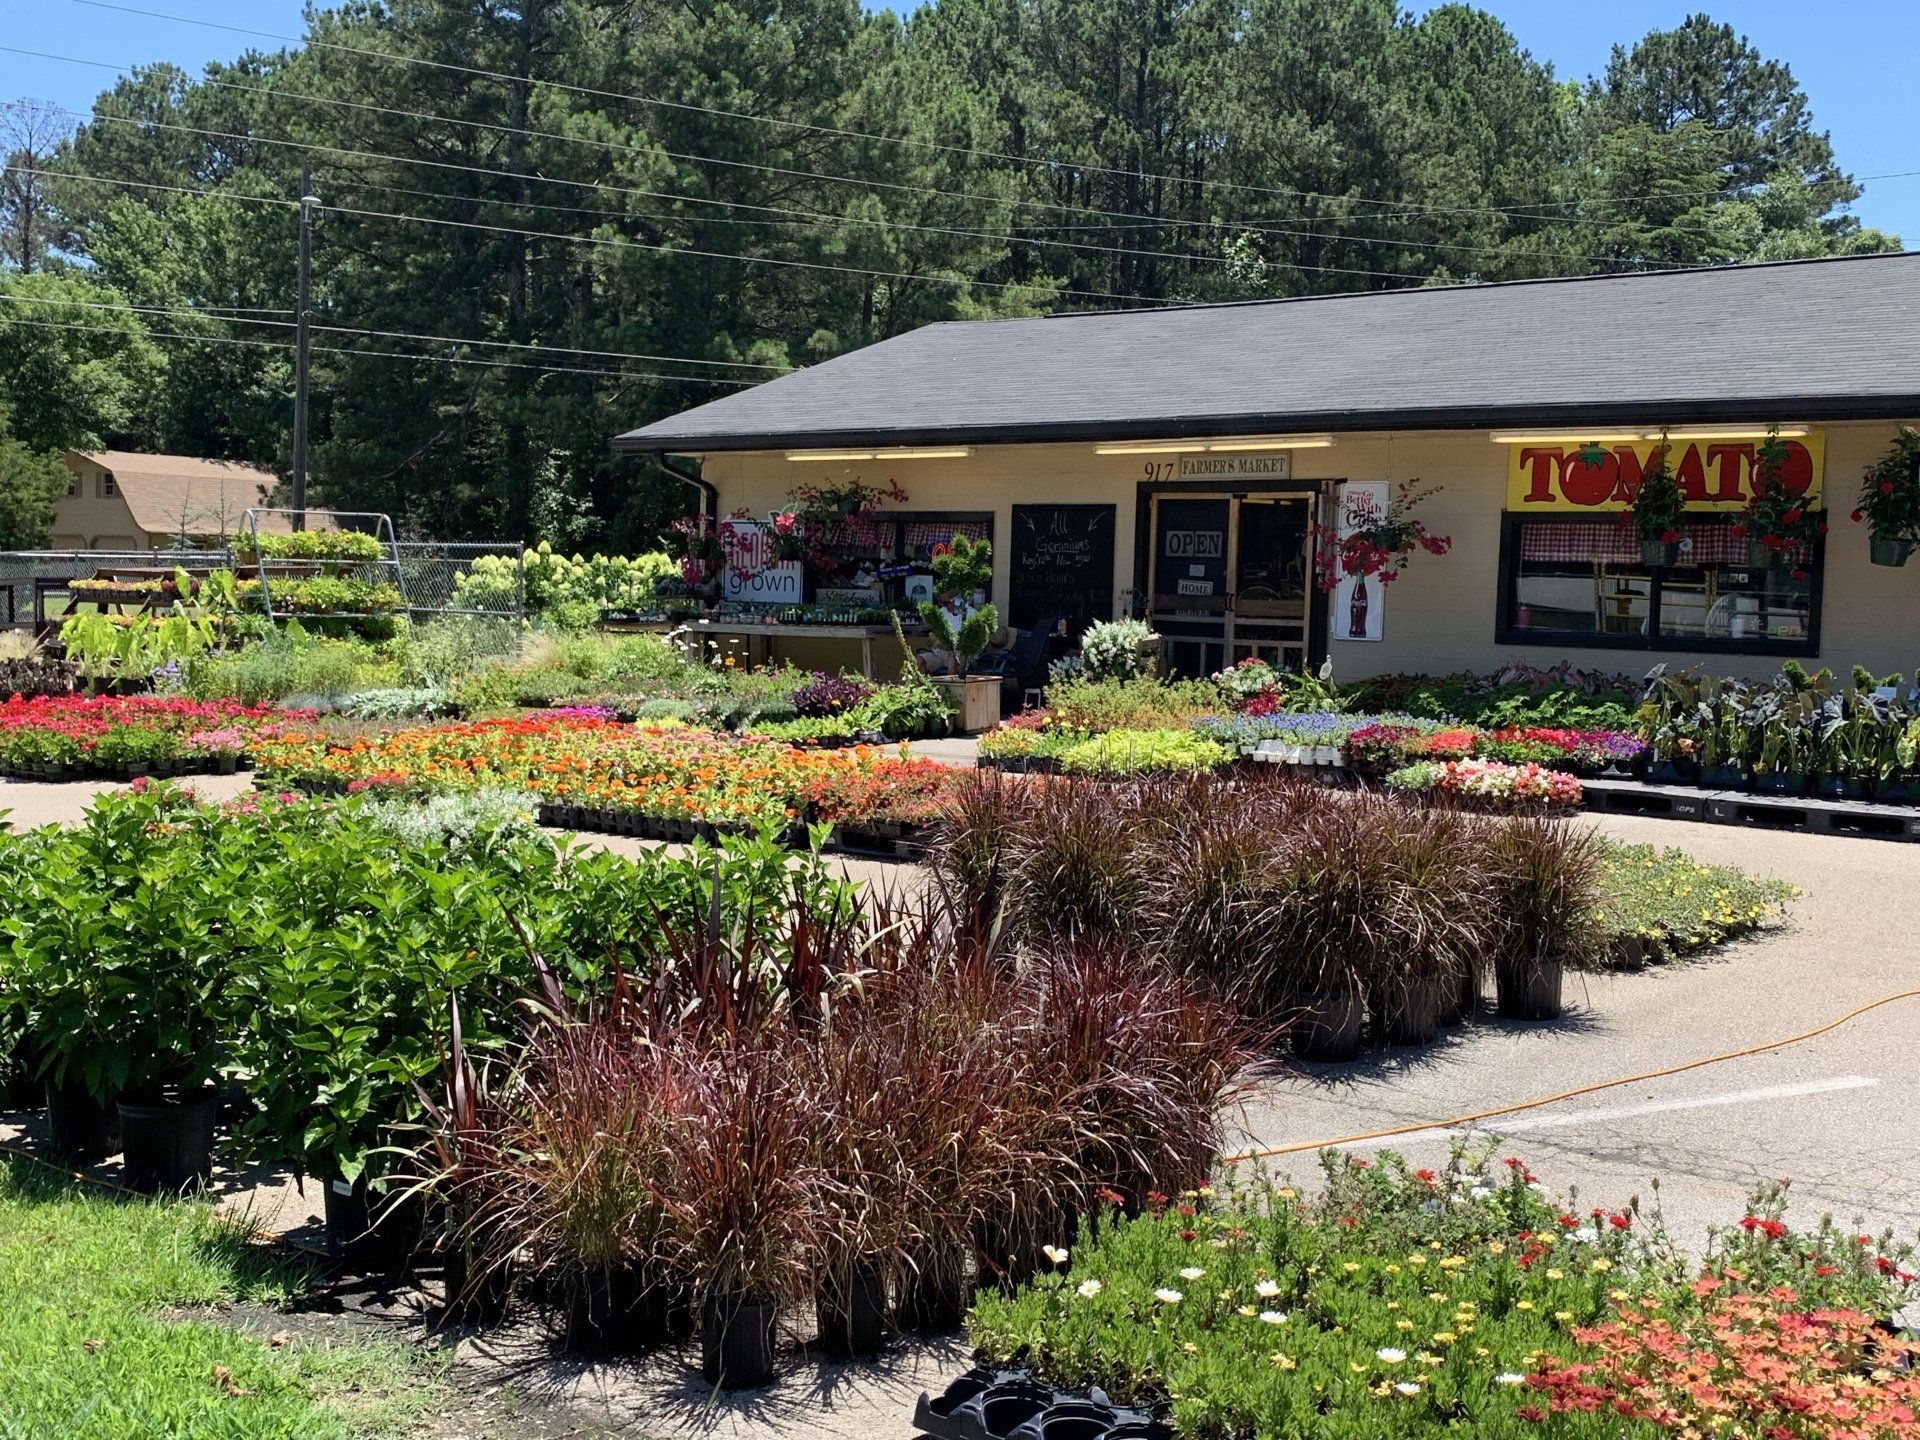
[
  {"x": 207, "y": 496},
  {"x": 1807, "y": 340}
]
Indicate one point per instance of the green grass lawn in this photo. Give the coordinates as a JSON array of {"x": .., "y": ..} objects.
[
  {"x": 88, "y": 1351},
  {"x": 1669, "y": 897}
]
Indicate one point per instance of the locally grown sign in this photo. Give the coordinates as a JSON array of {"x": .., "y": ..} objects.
[
  {"x": 1713, "y": 474},
  {"x": 750, "y": 574}
]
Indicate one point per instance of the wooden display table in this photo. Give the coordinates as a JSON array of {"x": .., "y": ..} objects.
[{"x": 760, "y": 635}]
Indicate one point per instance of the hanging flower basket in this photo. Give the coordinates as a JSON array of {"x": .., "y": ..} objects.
[
  {"x": 1889, "y": 502},
  {"x": 1782, "y": 528},
  {"x": 1656, "y": 513},
  {"x": 1889, "y": 550},
  {"x": 1373, "y": 542}
]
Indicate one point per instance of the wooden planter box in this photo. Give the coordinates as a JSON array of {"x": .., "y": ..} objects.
[{"x": 976, "y": 699}]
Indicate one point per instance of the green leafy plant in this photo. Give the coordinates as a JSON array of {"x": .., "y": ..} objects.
[
  {"x": 1396, "y": 1301},
  {"x": 1680, "y": 903},
  {"x": 318, "y": 545},
  {"x": 1091, "y": 706},
  {"x": 1657, "y": 510},
  {"x": 1777, "y": 519},
  {"x": 1136, "y": 752},
  {"x": 962, "y": 567},
  {"x": 1118, "y": 650},
  {"x": 1889, "y": 502}
]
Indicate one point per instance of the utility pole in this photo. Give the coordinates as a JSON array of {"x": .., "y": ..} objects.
[{"x": 308, "y": 200}]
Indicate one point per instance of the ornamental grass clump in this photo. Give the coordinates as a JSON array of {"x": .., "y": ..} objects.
[
  {"x": 1074, "y": 864},
  {"x": 1546, "y": 891},
  {"x": 1269, "y": 893},
  {"x": 863, "y": 1107}
]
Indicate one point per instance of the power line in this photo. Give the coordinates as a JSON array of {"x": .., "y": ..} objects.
[
  {"x": 374, "y": 354},
  {"x": 1048, "y": 162},
  {"x": 377, "y": 334},
  {"x": 1266, "y": 227},
  {"x": 1133, "y": 301},
  {"x": 1010, "y": 238}
]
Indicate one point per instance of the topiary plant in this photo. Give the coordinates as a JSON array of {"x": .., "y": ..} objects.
[{"x": 965, "y": 640}]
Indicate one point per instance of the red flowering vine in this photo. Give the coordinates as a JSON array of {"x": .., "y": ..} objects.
[{"x": 1376, "y": 543}]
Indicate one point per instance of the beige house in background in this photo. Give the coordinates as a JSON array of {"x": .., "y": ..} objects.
[{"x": 120, "y": 500}]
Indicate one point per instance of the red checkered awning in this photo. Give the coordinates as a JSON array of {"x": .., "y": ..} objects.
[{"x": 1584, "y": 542}]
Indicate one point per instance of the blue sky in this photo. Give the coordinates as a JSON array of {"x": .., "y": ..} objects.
[{"x": 1854, "y": 60}]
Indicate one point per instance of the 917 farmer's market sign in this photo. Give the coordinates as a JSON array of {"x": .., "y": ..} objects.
[{"x": 1714, "y": 474}]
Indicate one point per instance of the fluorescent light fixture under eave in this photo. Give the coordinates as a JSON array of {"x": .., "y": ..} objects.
[
  {"x": 1215, "y": 447},
  {"x": 1631, "y": 437},
  {"x": 1282, "y": 442},
  {"x": 946, "y": 452}
]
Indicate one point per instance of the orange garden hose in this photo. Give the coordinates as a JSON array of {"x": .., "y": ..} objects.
[
  {"x": 1266, "y": 1152},
  {"x": 1448, "y": 1124}
]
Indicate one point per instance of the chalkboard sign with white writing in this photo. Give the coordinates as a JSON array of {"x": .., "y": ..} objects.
[{"x": 1061, "y": 567}]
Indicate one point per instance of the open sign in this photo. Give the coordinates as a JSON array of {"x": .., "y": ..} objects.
[{"x": 1195, "y": 544}]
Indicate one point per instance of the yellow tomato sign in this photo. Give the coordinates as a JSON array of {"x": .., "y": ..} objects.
[{"x": 1714, "y": 474}]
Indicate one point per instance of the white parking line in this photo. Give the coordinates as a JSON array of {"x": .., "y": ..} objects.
[{"x": 1520, "y": 1123}]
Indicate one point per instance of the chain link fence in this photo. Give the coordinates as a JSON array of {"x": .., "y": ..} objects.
[
  {"x": 34, "y": 583},
  {"x": 482, "y": 581}
]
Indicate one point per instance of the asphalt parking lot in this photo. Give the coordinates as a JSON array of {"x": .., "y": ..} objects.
[{"x": 1839, "y": 1115}]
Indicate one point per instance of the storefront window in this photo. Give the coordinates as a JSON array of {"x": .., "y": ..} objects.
[{"x": 1582, "y": 581}]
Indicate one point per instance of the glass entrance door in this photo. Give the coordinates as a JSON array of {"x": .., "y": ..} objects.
[
  {"x": 1232, "y": 578},
  {"x": 1190, "y": 570}
]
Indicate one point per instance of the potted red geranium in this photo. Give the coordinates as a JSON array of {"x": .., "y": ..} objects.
[
  {"x": 1658, "y": 509},
  {"x": 1779, "y": 526},
  {"x": 1890, "y": 501}
]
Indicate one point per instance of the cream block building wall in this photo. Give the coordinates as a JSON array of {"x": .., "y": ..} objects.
[{"x": 1441, "y": 614}]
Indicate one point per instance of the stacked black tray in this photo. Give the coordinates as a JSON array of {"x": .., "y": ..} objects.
[{"x": 1011, "y": 1405}]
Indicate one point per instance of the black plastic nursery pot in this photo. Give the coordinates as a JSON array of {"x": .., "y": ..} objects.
[
  {"x": 476, "y": 1289},
  {"x": 1844, "y": 787},
  {"x": 368, "y": 1231},
  {"x": 1677, "y": 771},
  {"x": 167, "y": 1140},
  {"x": 1460, "y": 998},
  {"x": 736, "y": 1341},
  {"x": 1411, "y": 1015},
  {"x": 852, "y": 1311},
  {"x": 1780, "y": 782},
  {"x": 625, "y": 1311},
  {"x": 597, "y": 1304},
  {"x": 933, "y": 1296},
  {"x": 986, "y": 1404},
  {"x": 1330, "y": 1024},
  {"x": 79, "y": 1126},
  {"x": 1529, "y": 989}
]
